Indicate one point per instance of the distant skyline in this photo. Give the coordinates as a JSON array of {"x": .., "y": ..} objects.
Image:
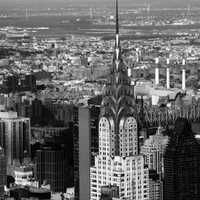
[{"x": 64, "y": 3}]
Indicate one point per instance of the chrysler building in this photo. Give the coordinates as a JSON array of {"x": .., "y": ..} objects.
[{"x": 118, "y": 162}]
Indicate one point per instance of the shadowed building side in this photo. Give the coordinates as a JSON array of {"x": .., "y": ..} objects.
[{"x": 181, "y": 164}]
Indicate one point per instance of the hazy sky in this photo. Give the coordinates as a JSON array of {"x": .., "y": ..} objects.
[{"x": 64, "y": 3}]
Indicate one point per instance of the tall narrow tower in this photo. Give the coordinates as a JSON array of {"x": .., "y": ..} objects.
[
  {"x": 118, "y": 162},
  {"x": 157, "y": 78},
  {"x": 168, "y": 74},
  {"x": 118, "y": 101},
  {"x": 183, "y": 75}
]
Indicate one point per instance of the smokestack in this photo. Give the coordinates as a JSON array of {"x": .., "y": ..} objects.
[
  {"x": 137, "y": 55},
  {"x": 183, "y": 62},
  {"x": 129, "y": 72},
  {"x": 157, "y": 71},
  {"x": 183, "y": 79},
  {"x": 183, "y": 75},
  {"x": 137, "y": 58},
  {"x": 168, "y": 74}
]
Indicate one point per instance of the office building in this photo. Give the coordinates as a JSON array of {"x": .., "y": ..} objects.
[
  {"x": 155, "y": 186},
  {"x": 42, "y": 134},
  {"x": 28, "y": 83},
  {"x": 14, "y": 136},
  {"x": 84, "y": 153},
  {"x": 181, "y": 164},
  {"x": 76, "y": 152},
  {"x": 85, "y": 148},
  {"x": 51, "y": 164},
  {"x": 153, "y": 150},
  {"x": 12, "y": 84},
  {"x": 29, "y": 192},
  {"x": 59, "y": 136},
  {"x": 60, "y": 112},
  {"x": 24, "y": 175},
  {"x": 30, "y": 108},
  {"x": 118, "y": 162},
  {"x": 2, "y": 172}
]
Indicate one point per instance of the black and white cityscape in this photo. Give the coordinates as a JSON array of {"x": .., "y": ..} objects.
[{"x": 99, "y": 100}]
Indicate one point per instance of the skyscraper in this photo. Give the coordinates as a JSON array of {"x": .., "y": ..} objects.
[
  {"x": 118, "y": 162},
  {"x": 84, "y": 153},
  {"x": 85, "y": 147},
  {"x": 28, "y": 83},
  {"x": 10, "y": 84},
  {"x": 62, "y": 138},
  {"x": 153, "y": 151},
  {"x": 17, "y": 83},
  {"x": 51, "y": 166},
  {"x": 181, "y": 164},
  {"x": 2, "y": 172},
  {"x": 14, "y": 136},
  {"x": 155, "y": 186}
]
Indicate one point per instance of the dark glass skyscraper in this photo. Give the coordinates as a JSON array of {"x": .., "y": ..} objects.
[
  {"x": 2, "y": 172},
  {"x": 51, "y": 166},
  {"x": 181, "y": 164}
]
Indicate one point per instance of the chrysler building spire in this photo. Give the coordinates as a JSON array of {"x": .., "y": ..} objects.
[
  {"x": 117, "y": 41},
  {"x": 118, "y": 97},
  {"x": 117, "y": 26},
  {"x": 118, "y": 137}
]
